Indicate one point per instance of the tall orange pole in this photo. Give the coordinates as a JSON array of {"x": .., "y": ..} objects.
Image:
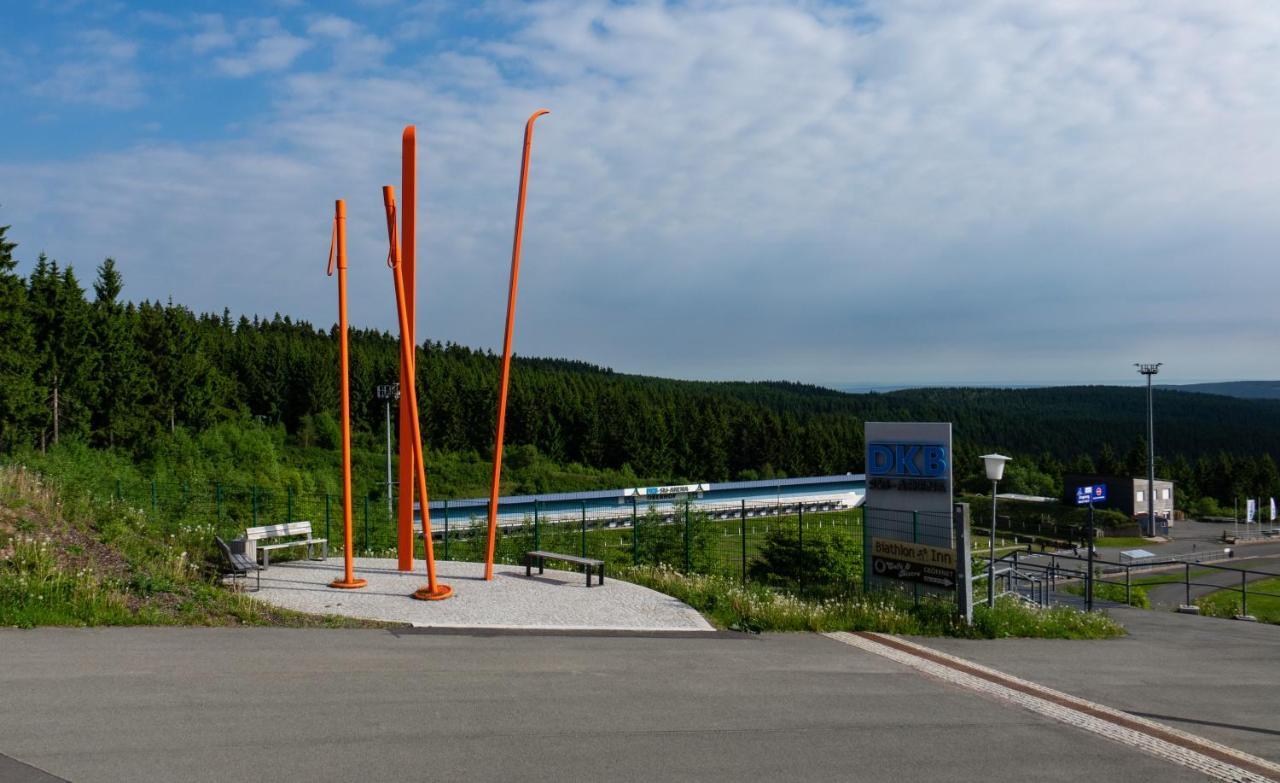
[
  {"x": 432, "y": 591},
  {"x": 506, "y": 345},
  {"x": 408, "y": 264},
  {"x": 339, "y": 242}
]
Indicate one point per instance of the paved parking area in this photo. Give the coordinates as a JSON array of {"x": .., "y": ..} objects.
[{"x": 200, "y": 704}]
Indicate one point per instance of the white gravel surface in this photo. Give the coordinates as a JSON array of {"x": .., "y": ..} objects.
[{"x": 554, "y": 600}]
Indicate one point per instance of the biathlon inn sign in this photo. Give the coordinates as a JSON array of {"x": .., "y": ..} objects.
[{"x": 912, "y": 536}]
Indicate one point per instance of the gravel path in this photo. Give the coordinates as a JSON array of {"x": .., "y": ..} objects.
[{"x": 555, "y": 600}]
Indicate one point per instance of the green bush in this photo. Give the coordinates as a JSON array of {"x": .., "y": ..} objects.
[{"x": 829, "y": 556}]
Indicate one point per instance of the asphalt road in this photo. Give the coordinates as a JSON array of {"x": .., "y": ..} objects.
[
  {"x": 192, "y": 704},
  {"x": 1216, "y": 678}
]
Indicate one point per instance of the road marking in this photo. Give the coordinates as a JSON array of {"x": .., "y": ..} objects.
[{"x": 1188, "y": 750}]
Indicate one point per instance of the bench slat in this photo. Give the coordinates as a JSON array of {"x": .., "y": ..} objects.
[
  {"x": 567, "y": 558},
  {"x": 300, "y": 528}
]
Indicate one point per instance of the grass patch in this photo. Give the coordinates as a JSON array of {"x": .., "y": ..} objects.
[
  {"x": 731, "y": 605},
  {"x": 67, "y": 559},
  {"x": 1119, "y": 542},
  {"x": 1263, "y": 603},
  {"x": 1110, "y": 591}
]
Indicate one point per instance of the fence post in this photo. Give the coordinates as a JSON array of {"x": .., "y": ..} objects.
[
  {"x": 744, "y": 540},
  {"x": 217, "y": 502},
  {"x": 635, "y": 533},
  {"x": 288, "y": 504},
  {"x": 584, "y": 528},
  {"x": 153, "y": 496},
  {"x": 254, "y": 502},
  {"x": 446, "y": 531},
  {"x": 1186, "y": 579},
  {"x": 366, "y": 523},
  {"x": 119, "y": 491},
  {"x": 537, "y": 527},
  {"x": 915, "y": 539},
  {"x": 800, "y": 537},
  {"x": 326, "y": 515},
  {"x": 1128, "y": 595},
  {"x": 686, "y": 535},
  {"x": 1244, "y": 593}
]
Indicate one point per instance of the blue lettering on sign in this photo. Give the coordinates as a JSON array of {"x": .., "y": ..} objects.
[{"x": 908, "y": 460}]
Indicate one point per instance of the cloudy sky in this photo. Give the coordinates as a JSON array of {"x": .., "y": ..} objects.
[{"x": 852, "y": 193}]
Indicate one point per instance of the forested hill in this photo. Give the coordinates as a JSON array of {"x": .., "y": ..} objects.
[
  {"x": 126, "y": 374},
  {"x": 1249, "y": 390}
]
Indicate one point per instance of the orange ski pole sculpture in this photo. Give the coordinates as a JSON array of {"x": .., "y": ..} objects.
[
  {"x": 432, "y": 591},
  {"x": 408, "y": 271},
  {"x": 506, "y": 345},
  {"x": 338, "y": 243}
]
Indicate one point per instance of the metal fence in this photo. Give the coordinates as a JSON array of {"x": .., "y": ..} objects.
[{"x": 801, "y": 545}]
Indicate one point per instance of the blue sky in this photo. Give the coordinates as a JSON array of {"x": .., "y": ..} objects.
[{"x": 862, "y": 194}]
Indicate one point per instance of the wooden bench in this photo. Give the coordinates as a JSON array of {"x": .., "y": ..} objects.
[
  {"x": 238, "y": 565},
  {"x": 587, "y": 563},
  {"x": 296, "y": 533}
]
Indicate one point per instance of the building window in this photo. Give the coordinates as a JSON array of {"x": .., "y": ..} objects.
[
  {"x": 1141, "y": 496},
  {"x": 1164, "y": 494}
]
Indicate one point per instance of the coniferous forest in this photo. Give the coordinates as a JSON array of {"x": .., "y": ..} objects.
[{"x": 79, "y": 365}]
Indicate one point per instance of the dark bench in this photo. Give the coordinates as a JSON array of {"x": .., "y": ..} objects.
[
  {"x": 587, "y": 563},
  {"x": 238, "y": 564}
]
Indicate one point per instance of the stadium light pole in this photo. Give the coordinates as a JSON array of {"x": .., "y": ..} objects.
[
  {"x": 995, "y": 471},
  {"x": 1150, "y": 371},
  {"x": 387, "y": 393}
]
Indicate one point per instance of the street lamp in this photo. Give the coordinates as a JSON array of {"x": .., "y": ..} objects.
[
  {"x": 1150, "y": 370},
  {"x": 995, "y": 471},
  {"x": 387, "y": 393}
]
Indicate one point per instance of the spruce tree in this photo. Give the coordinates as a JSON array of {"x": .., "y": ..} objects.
[{"x": 19, "y": 397}]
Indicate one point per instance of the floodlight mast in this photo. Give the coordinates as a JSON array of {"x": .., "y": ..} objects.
[
  {"x": 507, "y": 344},
  {"x": 1150, "y": 370},
  {"x": 338, "y": 247},
  {"x": 432, "y": 591}
]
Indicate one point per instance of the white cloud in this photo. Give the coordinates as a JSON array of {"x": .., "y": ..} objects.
[
  {"x": 99, "y": 69},
  {"x": 920, "y": 190},
  {"x": 264, "y": 46}
]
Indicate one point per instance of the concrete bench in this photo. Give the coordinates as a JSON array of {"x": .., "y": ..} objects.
[
  {"x": 281, "y": 536},
  {"x": 587, "y": 563}
]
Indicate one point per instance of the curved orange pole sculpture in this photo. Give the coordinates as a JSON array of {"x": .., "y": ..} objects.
[
  {"x": 338, "y": 241},
  {"x": 408, "y": 269},
  {"x": 506, "y": 344},
  {"x": 432, "y": 591}
]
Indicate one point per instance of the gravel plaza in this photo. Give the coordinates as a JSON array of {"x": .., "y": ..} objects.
[{"x": 554, "y": 600}]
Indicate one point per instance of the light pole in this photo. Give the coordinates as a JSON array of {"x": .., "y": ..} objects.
[
  {"x": 387, "y": 393},
  {"x": 995, "y": 471},
  {"x": 1150, "y": 370}
]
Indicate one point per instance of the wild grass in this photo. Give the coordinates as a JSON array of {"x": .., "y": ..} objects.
[
  {"x": 729, "y": 604},
  {"x": 69, "y": 559}
]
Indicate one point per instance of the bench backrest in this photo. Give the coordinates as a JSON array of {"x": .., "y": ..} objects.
[{"x": 276, "y": 531}]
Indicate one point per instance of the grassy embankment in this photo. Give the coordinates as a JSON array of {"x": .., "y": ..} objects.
[
  {"x": 67, "y": 560},
  {"x": 1263, "y": 603},
  {"x": 729, "y": 604}
]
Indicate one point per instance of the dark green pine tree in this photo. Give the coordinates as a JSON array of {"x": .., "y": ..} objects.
[
  {"x": 121, "y": 381},
  {"x": 19, "y": 396},
  {"x": 65, "y": 360}
]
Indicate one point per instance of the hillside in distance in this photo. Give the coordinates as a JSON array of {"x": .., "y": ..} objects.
[{"x": 1247, "y": 390}]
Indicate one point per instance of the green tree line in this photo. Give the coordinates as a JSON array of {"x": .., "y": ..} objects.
[{"x": 80, "y": 364}]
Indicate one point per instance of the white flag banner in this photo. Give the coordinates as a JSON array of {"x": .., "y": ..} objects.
[
  {"x": 1273, "y": 509},
  {"x": 1250, "y": 509}
]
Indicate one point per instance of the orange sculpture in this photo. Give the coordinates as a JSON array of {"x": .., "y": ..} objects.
[
  {"x": 432, "y": 591},
  {"x": 506, "y": 345},
  {"x": 408, "y": 267},
  {"x": 338, "y": 243}
]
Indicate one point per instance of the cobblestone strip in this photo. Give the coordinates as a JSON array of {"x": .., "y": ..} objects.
[{"x": 1188, "y": 750}]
